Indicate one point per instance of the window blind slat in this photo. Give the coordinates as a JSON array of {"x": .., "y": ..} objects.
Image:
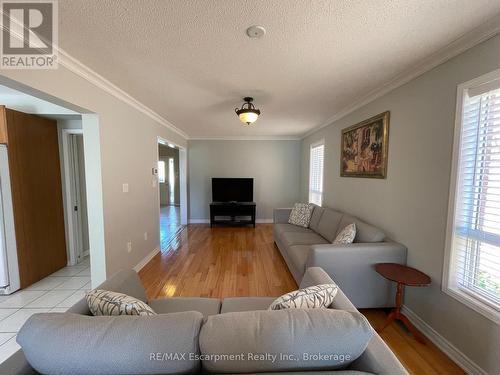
[
  {"x": 316, "y": 174},
  {"x": 475, "y": 263}
]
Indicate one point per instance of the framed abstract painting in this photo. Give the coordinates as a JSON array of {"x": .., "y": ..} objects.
[{"x": 364, "y": 148}]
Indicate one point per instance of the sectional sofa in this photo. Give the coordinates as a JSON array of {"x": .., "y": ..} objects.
[
  {"x": 76, "y": 343},
  {"x": 351, "y": 266}
]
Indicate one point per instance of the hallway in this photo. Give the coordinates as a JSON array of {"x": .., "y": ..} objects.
[{"x": 170, "y": 224}]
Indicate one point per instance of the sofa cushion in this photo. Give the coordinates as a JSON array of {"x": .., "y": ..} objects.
[
  {"x": 314, "y": 297},
  {"x": 279, "y": 229},
  {"x": 236, "y": 304},
  {"x": 315, "y": 218},
  {"x": 294, "y": 333},
  {"x": 346, "y": 236},
  {"x": 206, "y": 306},
  {"x": 82, "y": 345},
  {"x": 329, "y": 223},
  {"x": 364, "y": 232},
  {"x": 296, "y": 238},
  {"x": 301, "y": 214},
  {"x": 298, "y": 256},
  {"x": 104, "y": 302}
]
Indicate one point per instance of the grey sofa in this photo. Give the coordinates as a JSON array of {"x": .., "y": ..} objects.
[
  {"x": 74, "y": 337},
  {"x": 351, "y": 266}
]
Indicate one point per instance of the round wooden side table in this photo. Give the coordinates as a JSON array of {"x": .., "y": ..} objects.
[{"x": 402, "y": 275}]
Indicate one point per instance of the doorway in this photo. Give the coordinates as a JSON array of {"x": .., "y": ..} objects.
[
  {"x": 169, "y": 189},
  {"x": 75, "y": 196}
]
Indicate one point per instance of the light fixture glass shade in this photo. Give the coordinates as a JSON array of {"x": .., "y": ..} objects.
[
  {"x": 248, "y": 117},
  {"x": 247, "y": 114}
]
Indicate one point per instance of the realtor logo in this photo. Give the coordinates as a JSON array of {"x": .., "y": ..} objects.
[{"x": 29, "y": 34}]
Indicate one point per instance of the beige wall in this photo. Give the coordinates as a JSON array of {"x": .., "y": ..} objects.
[
  {"x": 126, "y": 141},
  {"x": 411, "y": 204},
  {"x": 274, "y": 165}
]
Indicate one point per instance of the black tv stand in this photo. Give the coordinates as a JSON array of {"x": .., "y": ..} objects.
[{"x": 232, "y": 213}]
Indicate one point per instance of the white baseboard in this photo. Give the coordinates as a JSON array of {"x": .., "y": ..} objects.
[
  {"x": 207, "y": 221},
  {"x": 146, "y": 259},
  {"x": 447, "y": 347}
]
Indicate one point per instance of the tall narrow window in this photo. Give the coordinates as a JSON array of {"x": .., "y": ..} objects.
[
  {"x": 171, "y": 180},
  {"x": 473, "y": 273},
  {"x": 161, "y": 171},
  {"x": 316, "y": 173}
]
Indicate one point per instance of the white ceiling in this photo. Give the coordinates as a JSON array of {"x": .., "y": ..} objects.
[{"x": 191, "y": 62}]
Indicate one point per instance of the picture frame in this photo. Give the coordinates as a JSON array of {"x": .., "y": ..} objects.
[{"x": 364, "y": 148}]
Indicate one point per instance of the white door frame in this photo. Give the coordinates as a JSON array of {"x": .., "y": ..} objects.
[
  {"x": 182, "y": 177},
  {"x": 72, "y": 225}
]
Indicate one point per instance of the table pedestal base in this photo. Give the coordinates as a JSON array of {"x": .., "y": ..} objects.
[{"x": 396, "y": 314}]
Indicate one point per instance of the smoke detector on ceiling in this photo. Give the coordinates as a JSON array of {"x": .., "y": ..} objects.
[{"x": 256, "y": 32}]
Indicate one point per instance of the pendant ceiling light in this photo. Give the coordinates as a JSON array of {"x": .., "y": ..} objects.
[{"x": 247, "y": 113}]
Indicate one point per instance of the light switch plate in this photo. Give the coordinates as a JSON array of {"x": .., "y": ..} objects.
[{"x": 125, "y": 188}]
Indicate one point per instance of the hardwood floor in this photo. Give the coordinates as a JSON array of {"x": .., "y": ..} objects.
[
  {"x": 170, "y": 224},
  {"x": 227, "y": 262},
  {"x": 219, "y": 262}
]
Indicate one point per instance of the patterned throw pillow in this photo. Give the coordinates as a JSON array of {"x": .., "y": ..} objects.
[
  {"x": 301, "y": 214},
  {"x": 103, "y": 302},
  {"x": 313, "y": 297},
  {"x": 346, "y": 235}
]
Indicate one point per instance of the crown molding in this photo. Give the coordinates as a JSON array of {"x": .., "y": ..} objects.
[
  {"x": 77, "y": 67},
  {"x": 466, "y": 41},
  {"x": 249, "y": 138}
]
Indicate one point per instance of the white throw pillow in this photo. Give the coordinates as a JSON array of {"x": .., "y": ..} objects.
[
  {"x": 346, "y": 235},
  {"x": 104, "y": 302},
  {"x": 301, "y": 214},
  {"x": 313, "y": 297}
]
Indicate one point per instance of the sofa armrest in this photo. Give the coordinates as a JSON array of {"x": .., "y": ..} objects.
[
  {"x": 356, "y": 254},
  {"x": 315, "y": 276},
  {"x": 126, "y": 281},
  {"x": 281, "y": 215},
  {"x": 352, "y": 268}
]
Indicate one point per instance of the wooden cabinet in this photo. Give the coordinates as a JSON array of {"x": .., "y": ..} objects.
[
  {"x": 232, "y": 213},
  {"x": 35, "y": 174}
]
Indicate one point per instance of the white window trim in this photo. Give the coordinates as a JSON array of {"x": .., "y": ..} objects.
[
  {"x": 320, "y": 142},
  {"x": 475, "y": 303}
]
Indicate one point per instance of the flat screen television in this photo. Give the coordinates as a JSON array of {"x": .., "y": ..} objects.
[{"x": 232, "y": 189}]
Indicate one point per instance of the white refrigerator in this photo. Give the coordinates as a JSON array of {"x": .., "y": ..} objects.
[{"x": 9, "y": 267}]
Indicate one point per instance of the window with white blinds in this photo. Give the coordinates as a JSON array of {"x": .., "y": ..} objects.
[
  {"x": 474, "y": 254},
  {"x": 316, "y": 174}
]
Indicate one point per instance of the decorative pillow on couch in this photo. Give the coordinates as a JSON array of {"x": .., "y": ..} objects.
[
  {"x": 313, "y": 297},
  {"x": 346, "y": 235},
  {"x": 301, "y": 214},
  {"x": 103, "y": 302}
]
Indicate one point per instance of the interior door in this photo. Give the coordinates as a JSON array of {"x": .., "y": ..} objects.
[
  {"x": 78, "y": 195},
  {"x": 33, "y": 153},
  {"x": 75, "y": 197}
]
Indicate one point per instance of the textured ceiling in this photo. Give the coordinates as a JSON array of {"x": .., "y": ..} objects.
[{"x": 192, "y": 62}]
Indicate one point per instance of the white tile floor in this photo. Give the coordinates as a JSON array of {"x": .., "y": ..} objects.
[{"x": 55, "y": 293}]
